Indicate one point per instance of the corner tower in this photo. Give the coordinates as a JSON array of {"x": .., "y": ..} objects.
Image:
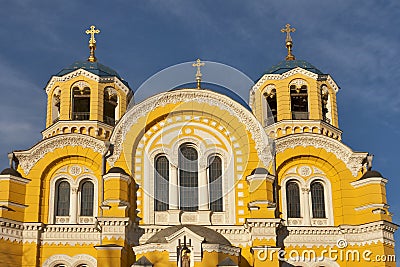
[
  {"x": 86, "y": 97},
  {"x": 295, "y": 97}
]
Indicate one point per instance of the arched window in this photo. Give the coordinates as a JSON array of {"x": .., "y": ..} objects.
[
  {"x": 299, "y": 102},
  {"x": 62, "y": 201},
  {"x": 81, "y": 103},
  {"x": 188, "y": 177},
  {"x": 161, "y": 184},
  {"x": 87, "y": 197},
  {"x": 326, "y": 114},
  {"x": 293, "y": 199},
  {"x": 215, "y": 183},
  {"x": 272, "y": 109},
  {"x": 55, "y": 112},
  {"x": 318, "y": 200},
  {"x": 110, "y": 106}
]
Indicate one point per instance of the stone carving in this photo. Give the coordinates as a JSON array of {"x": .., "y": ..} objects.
[
  {"x": 210, "y": 98},
  {"x": 30, "y": 157},
  {"x": 73, "y": 261},
  {"x": 304, "y": 171},
  {"x": 353, "y": 160},
  {"x": 87, "y": 74},
  {"x": 75, "y": 170}
]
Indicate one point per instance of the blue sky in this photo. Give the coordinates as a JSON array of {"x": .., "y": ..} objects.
[{"x": 357, "y": 42}]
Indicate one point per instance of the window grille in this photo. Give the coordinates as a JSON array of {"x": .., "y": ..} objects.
[
  {"x": 215, "y": 183},
  {"x": 293, "y": 199},
  {"x": 62, "y": 202},
  {"x": 318, "y": 200},
  {"x": 87, "y": 198},
  {"x": 188, "y": 177},
  {"x": 161, "y": 184}
]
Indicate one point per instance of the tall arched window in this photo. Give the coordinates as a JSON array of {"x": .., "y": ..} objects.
[
  {"x": 55, "y": 113},
  {"x": 326, "y": 112},
  {"x": 293, "y": 199},
  {"x": 272, "y": 110},
  {"x": 215, "y": 183},
  {"x": 80, "y": 103},
  {"x": 318, "y": 200},
  {"x": 188, "y": 177},
  {"x": 110, "y": 106},
  {"x": 62, "y": 201},
  {"x": 87, "y": 198},
  {"x": 299, "y": 102},
  {"x": 161, "y": 183}
]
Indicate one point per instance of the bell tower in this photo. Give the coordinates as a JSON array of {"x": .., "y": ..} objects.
[
  {"x": 86, "y": 97},
  {"x": 295, "y": 97}
]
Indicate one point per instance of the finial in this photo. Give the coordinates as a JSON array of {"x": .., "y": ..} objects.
[
  {"x": 198, "y": 64},
  {"x": 92, "y": 42},
  {"x": 289, "y": 41}
]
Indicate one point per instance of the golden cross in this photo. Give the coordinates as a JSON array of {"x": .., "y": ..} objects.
[
  {"x": 92, "y": 42},
  {"x": 92, "y": 32},
  {"x": 288, "y": 30},
  {"x": 198, "y": 64},
  {"x": 289, "y": 41}
]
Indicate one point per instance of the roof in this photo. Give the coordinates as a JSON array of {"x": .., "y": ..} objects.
[
  {"x": 371, "y": 174},
  {"x": 210, "y": 236},
  {"x": 93, "y": 67},
  {"x": 117, "y": 170},
  {"x": 287, "y": 65},
  {"x": 227, "y": 262},
  {"x": 220, "y": 90},
  {"x": 143, "y": 261},
  {"x": 10, "y": 171}
]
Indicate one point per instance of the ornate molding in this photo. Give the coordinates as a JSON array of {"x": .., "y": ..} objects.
[
  {"x": 359, "y": 235},
  {"x": 29, "y": 158},
  {"x": 71, "y": 261},
  {"x": 353, "y": 160},
  {"x": 186, "y": 95},
  {"x": 86, "y": 74},
  {"x": 229, "y": 250},
  {"x": 369, "y": 181}
]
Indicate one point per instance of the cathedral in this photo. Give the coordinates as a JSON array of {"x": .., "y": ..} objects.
[{"x": 193, "y": 177}]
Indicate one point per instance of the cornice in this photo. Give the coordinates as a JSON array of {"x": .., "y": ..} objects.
[
  {"x": 28, "y": 158},
  {"x": 353, "y": 160}
]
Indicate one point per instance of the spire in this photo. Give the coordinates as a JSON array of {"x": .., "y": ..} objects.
[
  {"x": 92, "y": 42},
  {"x": 289, "y": 41},
  {"x": 198, "y": 64}
]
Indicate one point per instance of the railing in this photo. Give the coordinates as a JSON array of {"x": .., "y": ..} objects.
[
  {"x": 299, "y": 115},
  {"x": 80, "y": 116}
]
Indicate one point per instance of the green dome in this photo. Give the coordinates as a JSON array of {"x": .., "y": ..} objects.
[
  {"x": 288, "y": 65},
  {"x": 93, "y": 67}
]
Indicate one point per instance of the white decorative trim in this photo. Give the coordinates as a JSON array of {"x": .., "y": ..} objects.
[
  {"x": 70, "y": 261},
  {"x": 64, "y": 174},
  {"x": 11, "y": 203},
  {"x": 229, "y": 250},
  {"x": 70, "y": 235},
  {"x": 15, "y": 179},
  {"x": 29, "y": 158},
  {"x": 353, "y": 160},
  {"x": 369, "y": 181},
  {"x": 355, "y": 235},
  {"x": 289, "y": 73},
  {"x": 186, "y": 95},
  {"x": 87, "y": 74},
  {"x": 371, "y": 206},
  {"x": 118, "y": 176}
]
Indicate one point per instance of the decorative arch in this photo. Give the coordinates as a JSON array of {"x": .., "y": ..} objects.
[
  {"x": 69, "y": 261},
  {"x": 223, "y": 102}
]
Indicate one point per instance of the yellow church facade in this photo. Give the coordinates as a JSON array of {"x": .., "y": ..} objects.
[{"x": 193, "y": 177}]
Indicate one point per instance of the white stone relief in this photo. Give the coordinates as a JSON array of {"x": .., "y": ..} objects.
[
  {"x": 352, "y": 159},
  {"x": 224, "y": 103},
  {"x": 29, "y": 158}
]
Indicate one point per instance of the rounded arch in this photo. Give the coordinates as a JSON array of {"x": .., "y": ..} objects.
[{"x": 243, "y": 116}]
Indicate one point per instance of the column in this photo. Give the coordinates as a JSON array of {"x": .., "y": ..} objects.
[
  {"x": 173, "y": 188},
  {"x": 74, "y": 207},
  {"x": 203, "y": 189},
  {"x": 306, "y": 206}
]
